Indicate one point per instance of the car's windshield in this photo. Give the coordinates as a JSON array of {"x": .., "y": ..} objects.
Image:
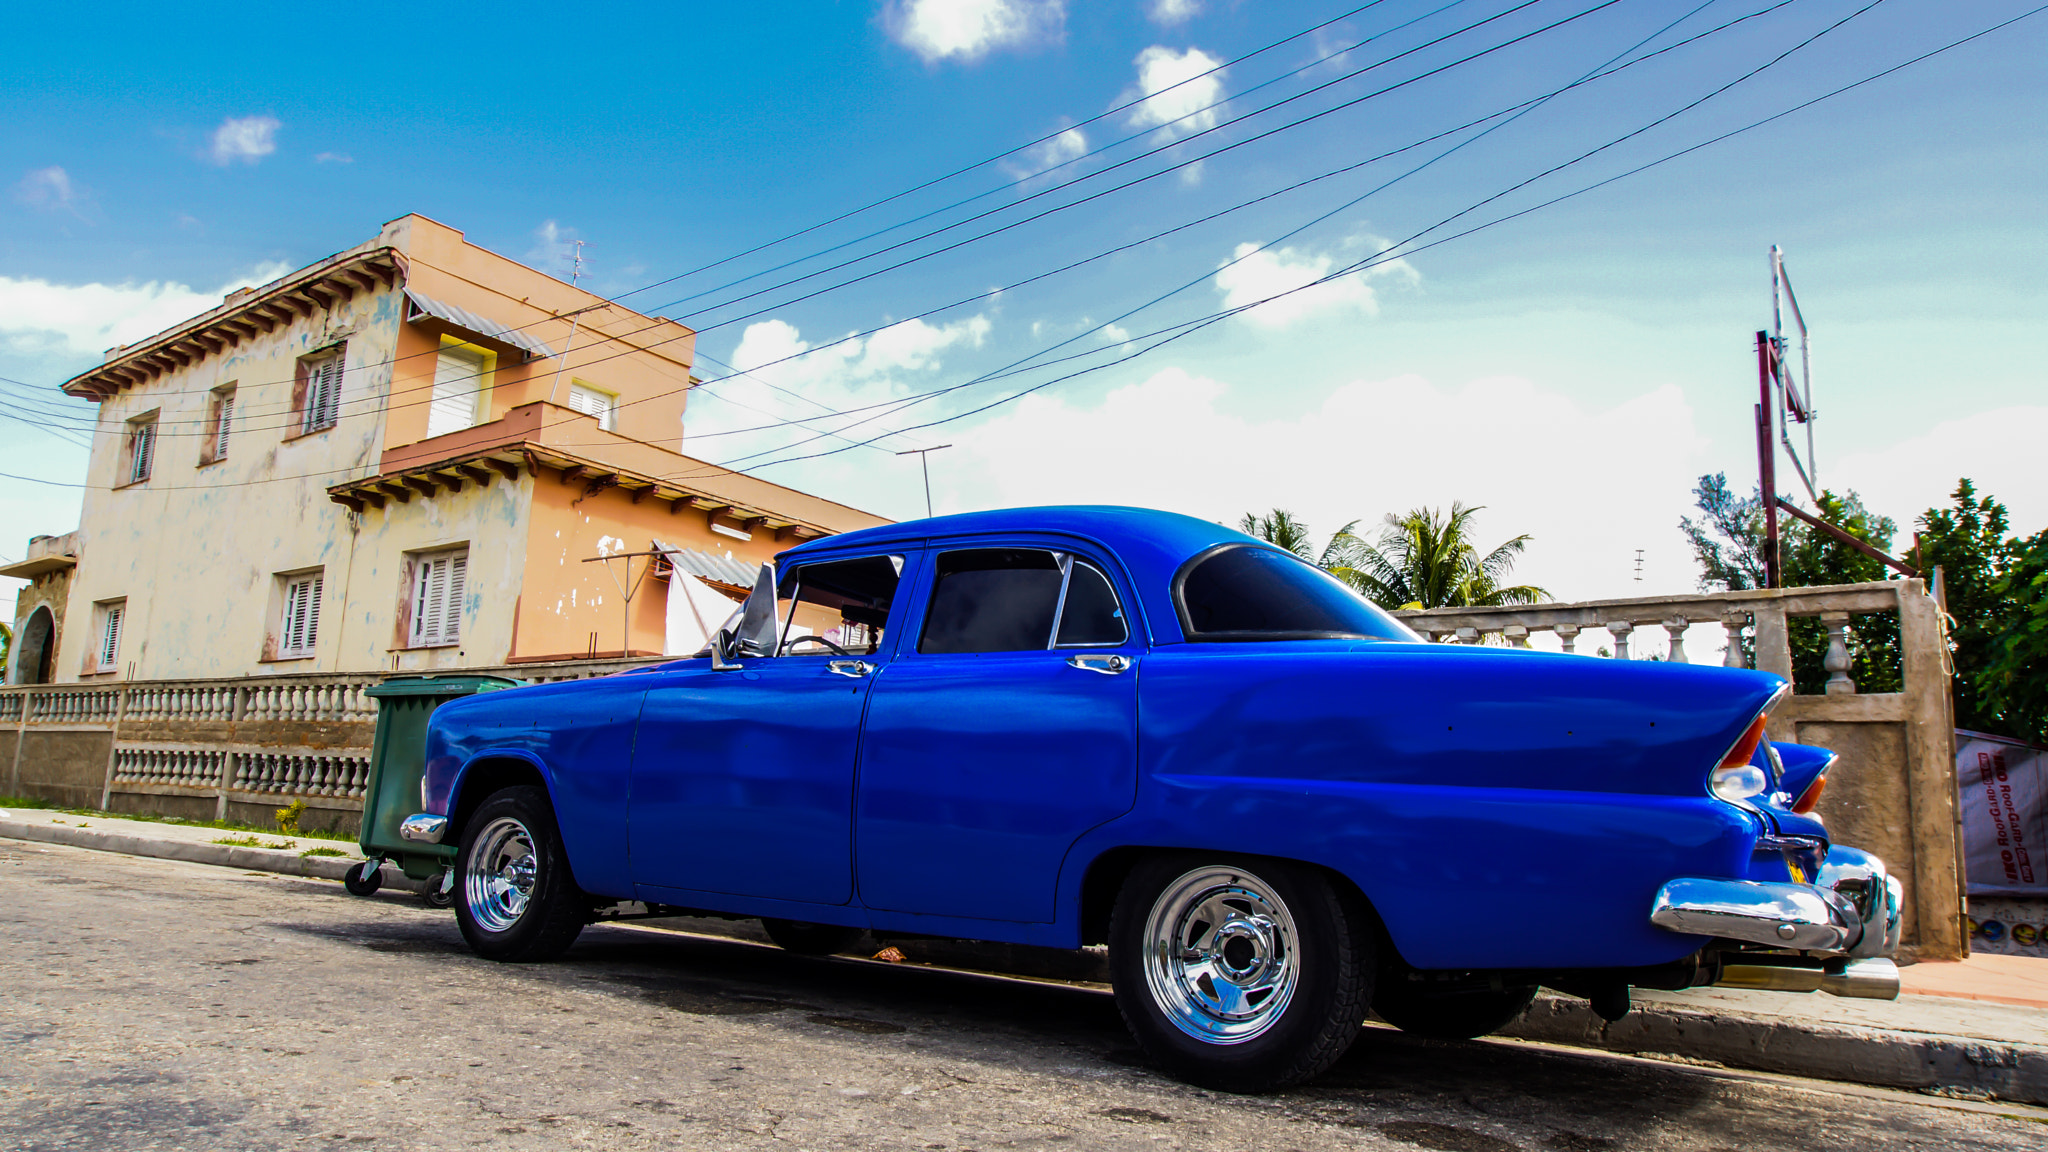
[{"x": 1246, "y": 592}]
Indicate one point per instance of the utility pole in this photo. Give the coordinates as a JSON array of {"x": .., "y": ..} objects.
[
  {"x": 925, "y": 459},
  {"x": 1767, "y": 455}
]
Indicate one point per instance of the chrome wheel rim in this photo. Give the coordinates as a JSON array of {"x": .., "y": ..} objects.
[
  {"x": 499, "y": 876},
  {"x": 1221, "y": 959}
]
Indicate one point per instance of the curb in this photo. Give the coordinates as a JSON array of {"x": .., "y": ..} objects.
[
  {"x": 1882, "y": 1057},
  {"x": 288, "y": 863}
]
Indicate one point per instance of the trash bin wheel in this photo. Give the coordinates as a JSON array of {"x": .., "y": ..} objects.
[
  {"x": 434, "y": 896},
  {"x": 515, "y": 896},
  {"x": 363, "y": 877}
]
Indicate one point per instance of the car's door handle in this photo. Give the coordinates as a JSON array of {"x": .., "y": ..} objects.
[
  {"x": 853, "y": 668},
  {"x": 1106, "y": 663}
]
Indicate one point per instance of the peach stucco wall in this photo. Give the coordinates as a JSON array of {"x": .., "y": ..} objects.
[{"x": 644, "y": 360}]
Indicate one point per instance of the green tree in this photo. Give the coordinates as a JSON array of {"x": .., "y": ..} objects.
[
  {"x": 1728, "y": 541},
  {"x": 1971, "y": 542},
  {"x": 1426, "y": 559},
  {"x": 2014, "y": 682}
]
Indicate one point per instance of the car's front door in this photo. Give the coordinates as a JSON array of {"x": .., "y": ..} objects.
[
  {"x": 1002, "y": 733},
  {"x": 743, "y": 777}
]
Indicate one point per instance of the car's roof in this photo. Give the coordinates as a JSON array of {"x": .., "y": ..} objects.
[{"x": 1152, "y": 544}]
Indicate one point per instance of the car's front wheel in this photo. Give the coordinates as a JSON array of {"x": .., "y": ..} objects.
[
  {"x": 1240, "y": 974},
  {"x": 515, "y": 896}
]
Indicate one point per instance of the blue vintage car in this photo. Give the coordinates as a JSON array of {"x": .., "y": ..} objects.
[{"x": 1277, "y": 807}]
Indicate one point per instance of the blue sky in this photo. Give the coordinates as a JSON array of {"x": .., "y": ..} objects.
[{"x": 1574, "y": 369}]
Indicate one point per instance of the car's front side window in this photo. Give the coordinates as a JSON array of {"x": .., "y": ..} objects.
[
  {"x": 838, "y": 607},
  {"x": 1019, "y": 600}
]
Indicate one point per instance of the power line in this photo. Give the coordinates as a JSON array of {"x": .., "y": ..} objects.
[
  {"x": 1186, "y": 328},
  {"x": 958, "y": 244}
]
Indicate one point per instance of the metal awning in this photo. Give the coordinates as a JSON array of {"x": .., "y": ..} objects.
[
  {"x": 710, "y": 566},
  {"x": 467, "y": 321}
]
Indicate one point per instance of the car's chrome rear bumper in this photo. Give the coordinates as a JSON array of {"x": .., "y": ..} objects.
[
  {"x": 423, "y": 828},
  {"x": 1851, "y": 909}
]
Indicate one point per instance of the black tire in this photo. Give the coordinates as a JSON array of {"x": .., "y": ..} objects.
[
  {"x": 1449, "y": 1013},
  {"x": 510, "y": 910},
  {"x": 363, "y": 878},
  {"x": 1278, "y": 1037},
  {"x": 811, "y": 939}
]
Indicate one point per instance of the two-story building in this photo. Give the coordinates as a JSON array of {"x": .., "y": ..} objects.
[{"x": 403, "y": 456}]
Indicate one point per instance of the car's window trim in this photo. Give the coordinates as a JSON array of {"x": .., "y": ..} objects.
[
  {"x": 1066, "y": 583},
  {"x": 901, "y": 561}
]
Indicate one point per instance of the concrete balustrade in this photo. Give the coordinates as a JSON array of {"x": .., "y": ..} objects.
[{"x": 1894, "y": 791}]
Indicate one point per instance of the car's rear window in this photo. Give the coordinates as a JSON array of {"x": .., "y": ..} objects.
[{"x": 1245, "y": 592}]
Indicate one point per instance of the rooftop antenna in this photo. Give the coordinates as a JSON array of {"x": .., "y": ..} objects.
[
  {"x": 1639, "y": 565},
  {"x": 1784, "y": 398},
  {"x": 925, "y": 459},
  {"x": 575, "y": 274}
]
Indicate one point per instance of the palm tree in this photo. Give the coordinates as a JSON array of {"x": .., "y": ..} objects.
[
  {"x": 1278, "y": 528},
  {"x": 1426, "y": 560}
]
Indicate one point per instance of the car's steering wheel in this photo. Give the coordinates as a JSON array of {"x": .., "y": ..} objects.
[{"x": 796, "y": 640}]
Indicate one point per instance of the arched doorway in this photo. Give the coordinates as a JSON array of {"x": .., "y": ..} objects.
[{"x": 35, "y": 648}]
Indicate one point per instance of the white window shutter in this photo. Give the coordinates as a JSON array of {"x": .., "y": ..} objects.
[
  {"x": 437, "y": 599},
  {"x": 227, "y": 419},
  {"x": 451, "y": 619},
  {"x": 110, "y": 641},
  {"x": 144, "y": 442},
  {"x": 458, "y": 377},
  {"x": 312, "y": 613},
  {"x": 330, "y": 391}
]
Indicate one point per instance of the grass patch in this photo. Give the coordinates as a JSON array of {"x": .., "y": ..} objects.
[
  {"x": 30, "y": 803},
  {"x": 325, "y": 852},
  {"x": 252, "y": 842}
]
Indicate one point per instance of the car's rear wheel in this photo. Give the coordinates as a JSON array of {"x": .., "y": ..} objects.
[
  {"x": 1240, "y": 974},
  {"x": 1456, "y": 1013},
  {"x": 516, "y": 898},
  {"x": 811, "y": 939}
]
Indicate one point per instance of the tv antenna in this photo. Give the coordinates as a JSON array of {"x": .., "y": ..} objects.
[
  {"x": 1639, "y": 565},
  {"x": 1784, "y": 398}
]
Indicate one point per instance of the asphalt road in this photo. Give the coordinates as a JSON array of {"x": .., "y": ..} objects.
[{"x": 146, "y": 1004}]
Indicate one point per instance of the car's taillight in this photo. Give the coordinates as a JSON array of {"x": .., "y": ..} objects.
[
  {"x": 1811, "y": 796},
  {"x": 1736, "y": 778}
]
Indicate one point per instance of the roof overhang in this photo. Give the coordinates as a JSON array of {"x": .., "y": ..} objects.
[
  {"x": 486, "y": 465},
  {"x": 36, "y": 566},
  {"x": 244, "y": 316}
]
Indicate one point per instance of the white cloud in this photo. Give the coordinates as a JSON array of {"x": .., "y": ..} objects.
[
  {"x": 245, "y": 138},
  {"x": 49, "y": 188},
  {"x": 334, "y": 158},
  {"x": 1171, "y": 12},
  {"x": 38, "y": 317},
  {"x": 914, "y": 345},
  {"x": 1159, "y": 70},
  {"x": 1071, "y": 144},
  {"x": 967, "y": 30},
  {"x": 2000, "y": 451},
  {"x": 1257, "y": 275},
  {"x": 1371, "y": 447}
]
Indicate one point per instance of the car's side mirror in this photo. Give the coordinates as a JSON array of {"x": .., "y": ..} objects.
[
  {"x": 752, "y": 630},
  {"x": 719, "y": 662}
]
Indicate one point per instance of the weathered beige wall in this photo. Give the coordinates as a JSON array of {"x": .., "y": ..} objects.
[
  {"x": 370, "y": 605},
  {"x": 195, "y": 548},
  {"x": 68, "y": 767}
]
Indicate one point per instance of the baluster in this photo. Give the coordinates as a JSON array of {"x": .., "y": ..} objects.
[
  {"x": 1837, "y": 659},
  {"x": 1516, "y": 635},
  {"x": 1568, "y": 635},
  {"x": 1675, "y": 628},
  {"x": 1468, "y": 635},
  {"x": 1732, "y": 625},
  {"x": 1619, "y": 629}
]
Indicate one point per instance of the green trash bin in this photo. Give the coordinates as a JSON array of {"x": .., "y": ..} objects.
[{"x": 398, "y": 759}]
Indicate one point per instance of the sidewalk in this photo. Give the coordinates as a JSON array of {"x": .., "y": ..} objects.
[{"x": 1978, "y": 1028}]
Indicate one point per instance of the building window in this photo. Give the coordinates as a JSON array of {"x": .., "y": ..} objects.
[
  {"x": 319, "y": 390},
  {"x": 220, "y": 419},
  {"x": 459, "y": 378},
  {"x": 593, "y": 402},
  {"x": 299, "y": 630},
  {"x": 436, "y": 593},
  {"x": 110, "y": 614},
  {"x": 138, "y": 452}
]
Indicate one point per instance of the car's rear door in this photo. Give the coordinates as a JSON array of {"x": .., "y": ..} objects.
[
  {"x": 1001, "y": 731},
  {"x": 743, "y": 779}
]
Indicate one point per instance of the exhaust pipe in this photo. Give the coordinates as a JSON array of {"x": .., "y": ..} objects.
[{"x": 1870, "y": 979}]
